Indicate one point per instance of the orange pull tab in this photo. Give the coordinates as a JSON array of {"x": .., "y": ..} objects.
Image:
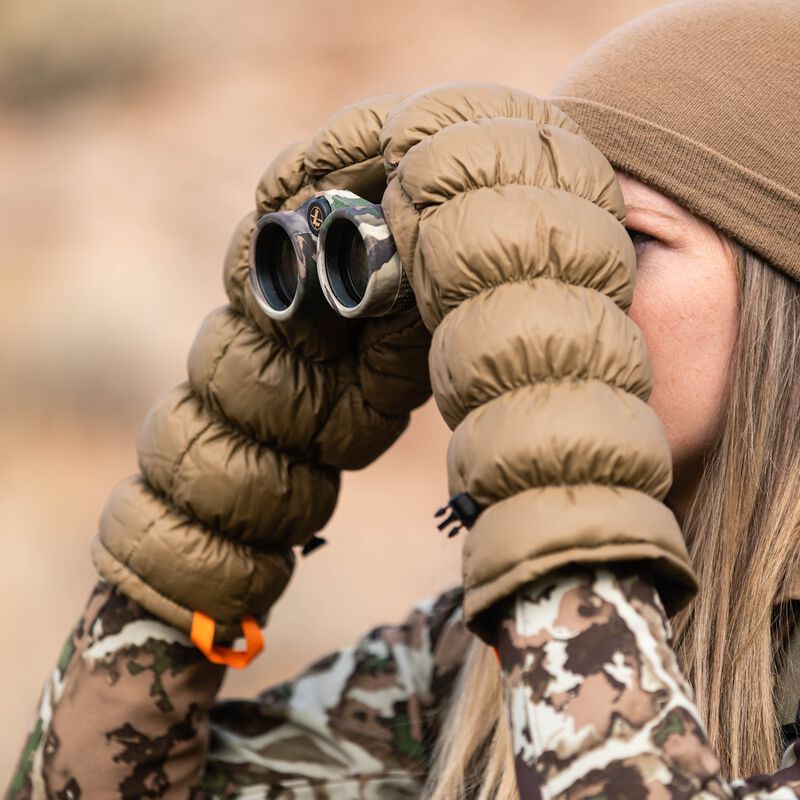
[{"x": 202, "y": 636}]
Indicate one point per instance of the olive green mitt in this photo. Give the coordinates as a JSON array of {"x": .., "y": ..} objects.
[
  {"x": 242, "y": 462},
  {"x": 510, "y": 225}
]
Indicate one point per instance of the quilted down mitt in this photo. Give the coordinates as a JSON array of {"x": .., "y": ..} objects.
[
  {"x": 242, "y": 461},
  {"x": 510, "y": 225}
]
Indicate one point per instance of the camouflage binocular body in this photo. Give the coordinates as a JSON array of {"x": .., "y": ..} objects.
[{"x": 334, "y": 254}]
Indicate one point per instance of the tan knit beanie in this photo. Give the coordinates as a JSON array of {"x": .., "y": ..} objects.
[{"x": 701, "y": 100}]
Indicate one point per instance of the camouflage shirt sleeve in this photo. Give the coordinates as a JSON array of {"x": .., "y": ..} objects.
[
  {"x": 129, "y": 712},
  {"x": 597, "y": 705},
  {"x": 124, "y": 712},
  {"x": 358, "y": 723}
]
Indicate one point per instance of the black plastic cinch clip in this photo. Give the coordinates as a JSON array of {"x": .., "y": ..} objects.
[
  {"x": 463, "y": 513},
  {"x": 312, "y": 544}
]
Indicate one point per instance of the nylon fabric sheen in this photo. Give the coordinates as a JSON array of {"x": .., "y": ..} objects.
[
  {"x": 509, "y": 224},
  {"x": 242, "y": 462}
]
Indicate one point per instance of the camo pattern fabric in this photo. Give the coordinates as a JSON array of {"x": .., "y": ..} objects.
[
  {"x": 129, "y": 712},
  {"x": 359, "y": 723},
  {"x": 124, "y": 712},
  {"x": 597, "y": 704},
  {"x": 376, "y": 263}
]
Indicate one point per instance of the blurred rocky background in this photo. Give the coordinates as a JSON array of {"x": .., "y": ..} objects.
[{"x": 131, "y": 138}]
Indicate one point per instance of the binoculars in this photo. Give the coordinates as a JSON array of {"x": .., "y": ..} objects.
[{"x": 332, "y": 255}]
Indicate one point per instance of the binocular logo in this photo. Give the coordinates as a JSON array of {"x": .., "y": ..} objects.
[
  {"x": 334, "y": 254},
  {"x": 316, "y": 216}
]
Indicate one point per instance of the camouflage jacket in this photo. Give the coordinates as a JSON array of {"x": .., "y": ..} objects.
[
  {"x": 596, "y": 702},
  {"x": 129, "y": 711}
]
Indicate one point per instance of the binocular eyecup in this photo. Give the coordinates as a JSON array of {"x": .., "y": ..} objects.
[{"x": 334, "y": 254}]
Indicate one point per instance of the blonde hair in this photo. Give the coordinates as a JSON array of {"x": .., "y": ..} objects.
[{"x": 742, "y": 532}]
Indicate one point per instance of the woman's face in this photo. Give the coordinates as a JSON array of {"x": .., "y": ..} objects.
[{"x": 685, "y": 302}]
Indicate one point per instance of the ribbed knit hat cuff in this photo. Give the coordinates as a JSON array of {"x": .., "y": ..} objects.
[{"x": 695, "y": 176}]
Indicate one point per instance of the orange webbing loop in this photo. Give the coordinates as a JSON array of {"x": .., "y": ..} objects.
[{"x": 202, "y": 636}]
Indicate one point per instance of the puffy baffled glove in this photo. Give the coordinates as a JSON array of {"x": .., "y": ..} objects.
[
  {"x": 243, "y": 461},
  {"x": 510, "y": 225}
]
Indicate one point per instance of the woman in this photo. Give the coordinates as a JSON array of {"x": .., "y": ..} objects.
[{"x": 595, "y": 702}]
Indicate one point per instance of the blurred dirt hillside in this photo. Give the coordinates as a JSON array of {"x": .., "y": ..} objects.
[{"x": 131, "y": 138}]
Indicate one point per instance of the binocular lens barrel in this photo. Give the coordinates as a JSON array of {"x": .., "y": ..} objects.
[
  {"x": 334, "y": 254},
  {"x": 358, "y": 264},
  {"x": 283, "y": 271}
]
